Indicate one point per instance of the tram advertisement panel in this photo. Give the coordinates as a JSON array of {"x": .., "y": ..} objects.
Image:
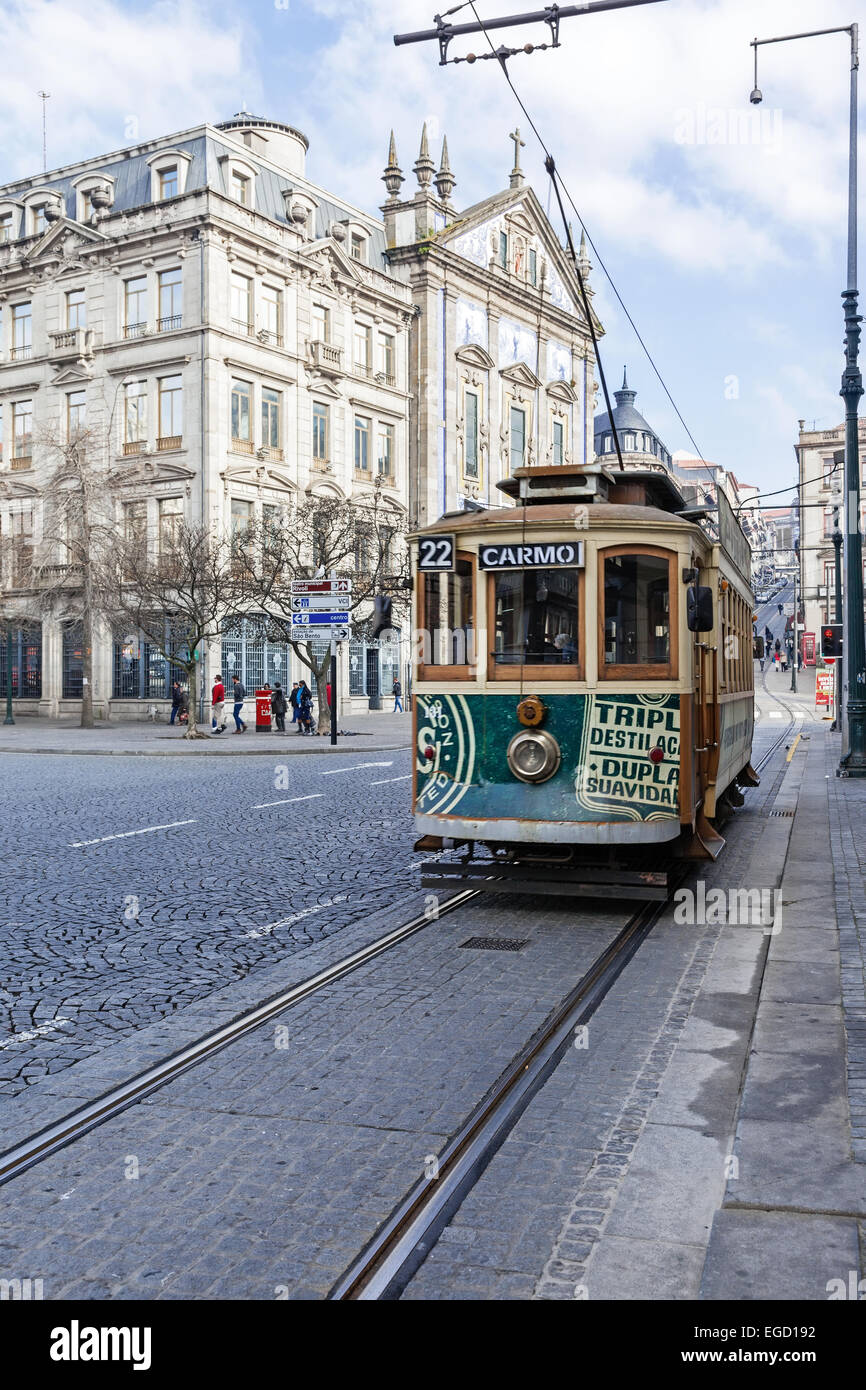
[{"x": 606, "y": 773}]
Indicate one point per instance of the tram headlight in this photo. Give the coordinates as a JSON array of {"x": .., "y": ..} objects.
[{"x": 533, "y": 755}]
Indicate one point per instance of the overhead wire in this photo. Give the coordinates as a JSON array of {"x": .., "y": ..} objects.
[{"x": 601, "y": 263}]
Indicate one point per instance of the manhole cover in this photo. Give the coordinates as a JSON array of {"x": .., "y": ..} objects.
[{"x": 492, "y": 943}]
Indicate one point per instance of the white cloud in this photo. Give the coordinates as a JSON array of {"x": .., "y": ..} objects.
[{"x": 116, "y": 75}]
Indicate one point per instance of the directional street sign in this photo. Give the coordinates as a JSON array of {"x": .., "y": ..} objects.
[
  {"x": 317, "y": 602},
  {"x": 337, "y": 632},
  {"x": 321, "y": 586},
  {"x": 318, "y": 619}
]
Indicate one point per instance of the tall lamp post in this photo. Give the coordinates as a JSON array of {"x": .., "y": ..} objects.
[
  {"x": 10, "y": 717},
  {"x": 853, "y": 762}
]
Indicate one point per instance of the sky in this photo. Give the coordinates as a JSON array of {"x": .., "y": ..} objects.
[{"x": 722, "y": 225}]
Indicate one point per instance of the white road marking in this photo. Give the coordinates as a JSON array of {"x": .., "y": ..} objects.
[
  {"x": 383, "y": 780},
  {"x": 286, "y": 801},
  {"x": 357, "y": 768},
  {"x": 775, "y": 714},
  {"x": 125, "y": 834},
  {"x": 34, "y": 1032},
  {"x": 287, "y": 921}
]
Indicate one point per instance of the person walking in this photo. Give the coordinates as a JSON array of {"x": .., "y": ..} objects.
[
  {"x": 294, "y": 701},
  {"x": 175, "y": 700},
  {"x": 397, "y": 692},
  {"x": 305, "y": 709},
  {"x": 279, "y": 706},
  {"x": 218, "y": 697},
  {"x": 240, "y": 695}
]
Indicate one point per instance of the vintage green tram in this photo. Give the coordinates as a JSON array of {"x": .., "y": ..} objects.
[{"x": 583, "y": 693}]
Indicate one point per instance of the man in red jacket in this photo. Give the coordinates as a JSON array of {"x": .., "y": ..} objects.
[{"x": 218, "y": 697}]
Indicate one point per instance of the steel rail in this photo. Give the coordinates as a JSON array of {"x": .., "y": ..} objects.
[
  {"x": 403, "y": 1241},
  {"x": 65, "y": 1131},
  {"x": 62, "y": 1132},
  {"x": 397, "y": 1250}
]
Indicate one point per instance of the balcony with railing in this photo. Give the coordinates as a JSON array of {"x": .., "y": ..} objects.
[
  {"x": 242, "y": 446},
  {"x": 325, "y": 356},
  {"x": 269, "y": 337},
  {"x": 58, "y": 576},
  {"x": 168, "y": 324},
  {"x": 241, "y": 326},
  {"x": 133, "y": 446},
  {"x": 69, "y": 342},
  {"x": 21, "y": 352},
  {"x": 169, "y": 441},
  {"x": 323, "y": 465},
  {"x": 134, "y": 330},
  {"x": 271, "y": 452}
]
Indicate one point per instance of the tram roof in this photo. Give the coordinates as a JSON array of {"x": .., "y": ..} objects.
[{"x": 599, "y": 514}]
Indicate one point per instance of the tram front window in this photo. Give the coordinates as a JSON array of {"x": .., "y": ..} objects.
[
  {"x": 636, "y": 610},
  {"x": 448, "y": 638},
  {"x": 536, "y": 617}
]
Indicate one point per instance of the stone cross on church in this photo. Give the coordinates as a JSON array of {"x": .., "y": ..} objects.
[{"x": 515, "y": 179}]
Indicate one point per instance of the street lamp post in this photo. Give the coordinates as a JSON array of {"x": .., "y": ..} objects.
[{"x": 853, "y": 762}]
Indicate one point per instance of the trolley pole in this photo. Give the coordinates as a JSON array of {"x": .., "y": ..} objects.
[
  {"x": 795, "y": 649},
  {"x": 333, "y": 691}
]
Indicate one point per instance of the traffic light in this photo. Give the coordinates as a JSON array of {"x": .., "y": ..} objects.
[
  {"x": 381, "y": 614},
  {"x": 831, "y": 640}
]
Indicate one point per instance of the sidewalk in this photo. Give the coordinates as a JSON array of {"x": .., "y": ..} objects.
[{"x": 358, "y": 733}]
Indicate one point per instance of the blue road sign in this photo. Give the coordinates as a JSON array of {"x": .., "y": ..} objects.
[{"x": 313, "y": 619}]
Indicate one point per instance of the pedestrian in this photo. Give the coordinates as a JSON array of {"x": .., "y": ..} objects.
[
  {"x": 175, "y": 700},
  {"x": 279, "y": 707},
  {"x": 397, "y": 692},
  {"x": 218, "y": 696},
  {"x": 294, "y": 702},
  {"x": 240, "y": 694},
  {"x": 305, "y": 709},
  {"x": 799, "y": 658}
]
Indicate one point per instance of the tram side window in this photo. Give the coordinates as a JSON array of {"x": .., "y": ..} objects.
[
  {"x": 637, "y": 628},
  {"x": 448, "y": 636},
  {"x": 536, "y": 617}
]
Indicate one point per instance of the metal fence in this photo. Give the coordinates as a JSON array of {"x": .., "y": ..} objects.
[
  {"x": 250, "y": 653},
  {"x": 26, "y": 663},
  {"x": 73, "y": 661},
  {"x": 374, "y": 666},
  {"x": 141, "y": 671}
]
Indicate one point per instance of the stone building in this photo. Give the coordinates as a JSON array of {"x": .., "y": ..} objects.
[
  {"x": 233, "y": 333},
  {"x": 500, "y": 358},
  {"x": 820, "y": 458}
]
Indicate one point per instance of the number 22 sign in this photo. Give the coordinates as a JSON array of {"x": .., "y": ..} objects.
[{"x": 436, "y": 553}]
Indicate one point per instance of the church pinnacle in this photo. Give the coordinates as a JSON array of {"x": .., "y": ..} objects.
[
  {"x": 424, "y": 165},
  {"x": 393, "y": 175},
  {"x": 445, "y": 180}
]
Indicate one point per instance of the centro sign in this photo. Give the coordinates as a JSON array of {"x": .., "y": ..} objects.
[{"x": 542, "y": 555}]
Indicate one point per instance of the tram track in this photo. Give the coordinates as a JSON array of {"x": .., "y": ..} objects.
[{"x": 403, "y": 1241}]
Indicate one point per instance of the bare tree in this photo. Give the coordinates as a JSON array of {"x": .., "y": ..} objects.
[
  {"x": 361, "y": 539},
  {"x": 179, "y": 598}
]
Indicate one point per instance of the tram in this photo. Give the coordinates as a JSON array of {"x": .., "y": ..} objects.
[{"x": 583, "y": 684}]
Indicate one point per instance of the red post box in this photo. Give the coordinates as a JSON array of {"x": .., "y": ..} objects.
[{"x": 263, "y": 711}]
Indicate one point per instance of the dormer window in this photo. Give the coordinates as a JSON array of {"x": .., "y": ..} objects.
[
  {"x": 168, "y": 183},
  {"x": 358, "y": 247},
  {"x": 168, "y": 174},
  {"x": 37, "y": 220},
  {"x": 5, "y": 227},
  {"x": 240, "y": 187}
]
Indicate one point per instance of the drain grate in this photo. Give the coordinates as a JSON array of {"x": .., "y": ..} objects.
[
  {"x": 493, "y": 943},
  {"x": 781, "y": 813}
]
